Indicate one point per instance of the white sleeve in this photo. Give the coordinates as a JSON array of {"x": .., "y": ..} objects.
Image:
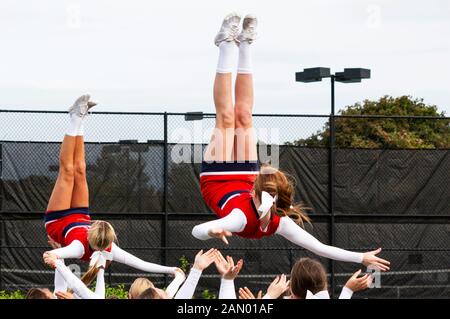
[
  {"x": 346, "y": 293},
  {"x": 227, "y": 290},
  {"x": 60, "y": 283},
  {"x": 75, "y": 283},
  {"x": 187, "y": 290},
  {"x": 74, "y": 250},
  {"x": 128, "y": 259},
  {"x": 100, "y": 284},
  {"x": 175, "y": 284},
  {"x": 234, "y": 222},
  {"x": 297, "y": 235}
]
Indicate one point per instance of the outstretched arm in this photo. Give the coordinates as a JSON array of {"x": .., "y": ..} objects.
[
  {"x": 74, "y": 250},
  {"x": 60, "y": 283},
  {"x": 297, "y": 235},
  {"x": 228, "y": 271},
  {"x": 355, "y": 284},
  {"x": 100, "y": 284},
  {"x": 221, "y": 228},
  {"x": 294, "y": 233},
  {"x": 187, "y": 290},
  {"x": 74, "y": 283},
  {"x": 128, "y": 259},
  {"x": 202, "y": 261},
  {"x": 175, "y": 284}
]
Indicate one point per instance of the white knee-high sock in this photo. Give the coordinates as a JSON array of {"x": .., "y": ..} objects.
[
  {"x": 76, "y": 127},
  {"x": 227, "y": 57},
  {"x": 245, "y": 59}
]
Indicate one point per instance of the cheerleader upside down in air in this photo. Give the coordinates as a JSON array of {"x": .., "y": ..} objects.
[
  {"x": 67, "y": 219},
  {"x": 251, "y": 202}
]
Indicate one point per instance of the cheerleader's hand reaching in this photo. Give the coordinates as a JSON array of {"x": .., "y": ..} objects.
[
  {"x": 203, "y": 260},
  {"x": 220, "y": 233},
  {"x": 50, "y": 259},
  {"x": 370, "y": 259}
]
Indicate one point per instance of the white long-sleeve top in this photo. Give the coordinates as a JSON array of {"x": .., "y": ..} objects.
[
  {"x": 78, "y": 287},
  {"x": 227, "y": 289},
  {"x": 236, "y": 221},
  {"x": 173, "y": 287},
  {"x": 188, "y": 289},
  {"x": 76, "y": 250},
  {"x": 346, "y": 293}
]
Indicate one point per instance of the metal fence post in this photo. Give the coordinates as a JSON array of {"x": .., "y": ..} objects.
[
  {"x": 331, "y": 176},
  {"x": 1, "y": 211},
  {"x": 165, "y": 222}
]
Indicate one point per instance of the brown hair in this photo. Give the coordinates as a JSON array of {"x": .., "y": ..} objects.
[
  {"x": 307, "y": 274},
  {"x": 138, "y": 287},
  {"x": 278, "y": 183},
  {"x": 37, "y": 293},
  {"x": 149, "y": 293},
  {"x": 100, "y": 236}
]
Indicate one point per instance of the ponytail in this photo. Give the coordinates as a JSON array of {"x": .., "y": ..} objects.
[
  {"x": 89, "y": 276},
  {"x": 279, "y": 184},
  {"x": 296, "y": 213}
]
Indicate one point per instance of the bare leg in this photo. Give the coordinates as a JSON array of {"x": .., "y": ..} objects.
[
  {"x": 245, "y": 140},
  {"x": 220, "y": 147},
  {"x": 80, "y": 195},
  {"x": 62, "y": 191}
]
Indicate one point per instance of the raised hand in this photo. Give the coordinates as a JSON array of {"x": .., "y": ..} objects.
[
  {"x": 203, "y": 260},
  {"x": 357, "y": 284},
  {"x": 226, "y": 267},
  {"x": 220, "y": 233},
  {"x": 278, "y": 287},
  {"x": 179, "y": 272},
  {"x": 50, "y": 259},
  {"x": 245, "y": 293},
  {"x": 370, "y": 259}
]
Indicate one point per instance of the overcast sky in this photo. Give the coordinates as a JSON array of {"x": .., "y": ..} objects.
[{"x": 160, "y": 56}]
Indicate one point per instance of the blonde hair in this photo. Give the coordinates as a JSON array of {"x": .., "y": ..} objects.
[
  {"x": 100, "y": 237},
  {"x": 278, "y": 183},
  {"x": 138, "y": 287}
]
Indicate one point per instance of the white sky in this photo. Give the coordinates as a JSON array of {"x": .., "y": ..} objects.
[{"x": 159, "y": 55}]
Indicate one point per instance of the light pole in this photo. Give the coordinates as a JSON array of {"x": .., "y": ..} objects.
[{"x": 349, "y": 75}]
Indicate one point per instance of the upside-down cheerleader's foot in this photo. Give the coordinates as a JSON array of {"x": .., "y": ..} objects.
[
  {"x": 81, "y": 106},
  {"x": 91, "y": 104},
  {"x": 248, "y": 33},
  {"x": 229, "y": 29},
  {"x": 78, "y": 112}
]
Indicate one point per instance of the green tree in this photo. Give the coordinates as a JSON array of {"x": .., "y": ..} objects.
[{"x": 386, "y": 132}]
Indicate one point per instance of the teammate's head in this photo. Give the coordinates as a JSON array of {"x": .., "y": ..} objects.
[
  {"x": 279, "y": 184},
  {"x": 153, "y": 293},
  {"x": 39, "y": 293},
  {"x": 307, "y": 274},
  {"x": 101, "y": 235},
  {"x": 138, "y": 287}
]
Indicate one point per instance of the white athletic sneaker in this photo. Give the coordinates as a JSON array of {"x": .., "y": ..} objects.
[
  {"x": 229, "y": 29},
  {"x": 91, "y": 104},
  {"x": 81, "y": 106},
  {"x": 248, "y": 32}
]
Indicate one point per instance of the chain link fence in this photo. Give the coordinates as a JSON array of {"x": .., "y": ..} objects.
[{"x": 388, "y": 190}]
